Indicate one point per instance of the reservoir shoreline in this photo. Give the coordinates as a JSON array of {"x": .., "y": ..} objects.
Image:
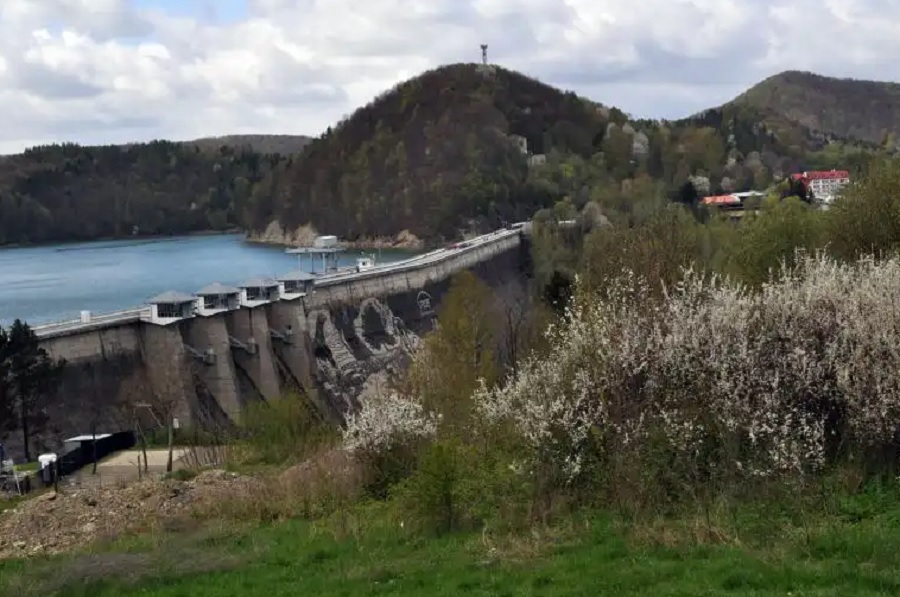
[
  {"x": 106, "y": 239},
  {"x": 46, "y": 283}
]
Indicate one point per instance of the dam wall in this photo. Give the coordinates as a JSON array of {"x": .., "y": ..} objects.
[{"x": 351, "y": 332}]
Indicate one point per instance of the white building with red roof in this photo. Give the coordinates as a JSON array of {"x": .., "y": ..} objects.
[{"x": 824, "y": 184}]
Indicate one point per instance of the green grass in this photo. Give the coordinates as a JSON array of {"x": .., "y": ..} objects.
[
  {"x": 852, "y": 550},
  {"x": 27, "y": 466}
]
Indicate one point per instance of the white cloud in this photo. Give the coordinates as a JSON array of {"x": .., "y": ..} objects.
[{"x": 99, "y": 71}]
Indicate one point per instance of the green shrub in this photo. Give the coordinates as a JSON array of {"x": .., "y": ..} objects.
[
  {"x": 158, "y": 437},
  {"x": 283, "y": 430},
  {"x": 458, "y": 486},
  {"x": 773, "y": 237},
  {"x": 433, "y": 496},
  {"x": 866, "y": 218},
  {"x": 181, "y": 474},
  {"x": 385, "y": 469}
]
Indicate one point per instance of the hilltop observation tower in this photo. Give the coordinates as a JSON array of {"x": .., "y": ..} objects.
[{"x": 485, "y": 68}]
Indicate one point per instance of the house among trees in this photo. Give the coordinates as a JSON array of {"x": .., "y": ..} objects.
[
  {"x": 824, "y": 184},
  {"x": 734, "y": 203}
]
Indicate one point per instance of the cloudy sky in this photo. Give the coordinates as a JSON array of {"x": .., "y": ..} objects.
[{"x": 110, "y": 71}]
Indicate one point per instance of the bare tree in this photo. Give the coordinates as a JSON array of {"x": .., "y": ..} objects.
[
  {"x": 159, "y": 401},
  {"x": 92, "y": 405},
  {"x": 162, "y": 401},
  {"x": 131, "y": 393},
  {"x": 521, "y": 322},
  {"x": 515, "y": 318}
]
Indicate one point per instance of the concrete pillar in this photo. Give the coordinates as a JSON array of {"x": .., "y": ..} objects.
[
  {"x": 297, "y": 354},
  {"x": 205, "y": 333},
  {"x": 168, "y": 368},
  {"x": 244, "y": 325}
]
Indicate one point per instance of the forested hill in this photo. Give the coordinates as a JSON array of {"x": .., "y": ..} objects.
[
  {"x": 832, "y": 107},
  {"x": 435, "y": 156},
  {"x": 69, "y": 192},
  {"x": 270, "y": 144},
  {"x": 432, "y": 154}
]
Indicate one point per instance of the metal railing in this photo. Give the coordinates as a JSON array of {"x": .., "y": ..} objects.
[
  {"x": 98, "y": 319},
  {"x": 417, "y": 262},
  {"x": 135, "y": 314}
]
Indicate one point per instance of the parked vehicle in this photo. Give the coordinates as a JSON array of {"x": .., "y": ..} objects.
[{"x": 365, "y": 263}]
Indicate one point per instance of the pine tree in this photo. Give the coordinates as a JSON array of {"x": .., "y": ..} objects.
[
  {"x": 6, "y": 407},
  {"x": 28, "y": 374}
]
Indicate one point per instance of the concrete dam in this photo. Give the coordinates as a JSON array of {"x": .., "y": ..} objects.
[{"x": 208, "y": 355}]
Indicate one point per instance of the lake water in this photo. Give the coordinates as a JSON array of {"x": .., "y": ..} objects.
[{"x": 51, "y": 283}]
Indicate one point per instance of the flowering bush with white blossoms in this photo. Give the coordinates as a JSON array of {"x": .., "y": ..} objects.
[
  {"x": 779, "y": 381},
  {"x": 385, "y": 421}
]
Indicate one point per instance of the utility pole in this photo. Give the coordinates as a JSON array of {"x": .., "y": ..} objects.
[{"x": 484, "y": 54}]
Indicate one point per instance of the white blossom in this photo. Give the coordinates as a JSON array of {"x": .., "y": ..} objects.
[
  {"x": 385, "y": 420},
  {"x": 772, "y": 373}
]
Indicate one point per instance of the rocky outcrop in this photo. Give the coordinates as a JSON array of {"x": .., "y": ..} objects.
[
  {"x": 276, "y": 234},
  {"x": 359, "y": 347},
  {"x": 404, "y": 240},
  {"x": 304, "y": 236}
]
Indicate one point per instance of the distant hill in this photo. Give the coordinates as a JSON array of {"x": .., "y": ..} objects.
[
  {"x": 70, "y": 192},
  {"x": 458, "y": 148},
  {"x": 270, "y": 144},
  {"x": 798, "y": 121},
  {"x": 832, "y": 107},
  {"x": 432, "y": 154}
]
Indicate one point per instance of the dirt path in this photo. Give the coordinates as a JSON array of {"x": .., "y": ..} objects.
[
  {"x": 155, "y": 458},
  {"x": 122, "y": 468}
]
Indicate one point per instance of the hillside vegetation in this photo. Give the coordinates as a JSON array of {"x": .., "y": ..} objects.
[
  {"x": 269, "y": 144},
  {"x": 716, "y": 436},
  {"x": 70, "y": 192},
  {"x": 661, "y": 429},
  {"x": 835, "y": 108},
  {"x": 434, "y": 156},
  {"x": 762, "y": 553}
]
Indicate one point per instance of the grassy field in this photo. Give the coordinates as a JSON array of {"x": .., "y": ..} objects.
[{"x": 852, "y": 548}]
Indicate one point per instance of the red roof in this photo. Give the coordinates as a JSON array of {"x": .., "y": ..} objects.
[
  {"x": 821, "y": 175},
  {"x": 721, "y": 200}
]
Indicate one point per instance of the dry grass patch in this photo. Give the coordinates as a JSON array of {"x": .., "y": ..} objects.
[
  {"x": 328, "y": 481},
  {"x": 690, "y": 531},
  {"x": 538, "y": 542}
]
